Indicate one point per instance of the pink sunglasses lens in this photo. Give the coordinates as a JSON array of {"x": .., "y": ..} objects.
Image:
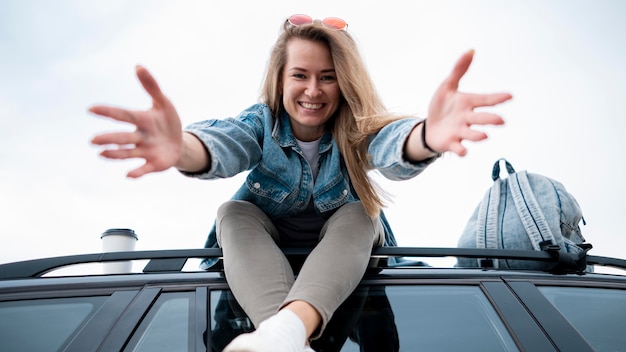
[
  {"x": 298, "y": 20},
  {"x": 335, "y": 23}
]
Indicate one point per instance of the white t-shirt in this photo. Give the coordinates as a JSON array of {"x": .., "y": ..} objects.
[
  {"x": 311, "y": 151},
  {"x": 304, "y": 228}
]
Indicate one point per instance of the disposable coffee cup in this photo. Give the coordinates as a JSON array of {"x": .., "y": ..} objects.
[{"x": 118, "y": 240}]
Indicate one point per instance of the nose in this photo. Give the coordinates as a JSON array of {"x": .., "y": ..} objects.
[{"x": 313, "y": 90}]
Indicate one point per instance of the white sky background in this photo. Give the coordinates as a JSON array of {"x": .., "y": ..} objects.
[{"x": 563, "y": 61}]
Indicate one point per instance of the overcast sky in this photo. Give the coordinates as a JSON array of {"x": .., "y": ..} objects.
[{"x": 563, "y": 61}]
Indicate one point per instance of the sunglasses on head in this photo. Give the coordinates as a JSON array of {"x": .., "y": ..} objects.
[{"x": 329, "y": 22}]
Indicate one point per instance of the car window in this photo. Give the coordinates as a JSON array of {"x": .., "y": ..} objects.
[
  {"x": 44, "y": 324},
  {"x": 598, "y": 314},
  {"x": 405, "y": 318},
  {"x": 168, "y": 326},
  {"x": 450, "y": 318}
]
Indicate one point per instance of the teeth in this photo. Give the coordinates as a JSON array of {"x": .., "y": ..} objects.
[{"x": 311, "y": 106}]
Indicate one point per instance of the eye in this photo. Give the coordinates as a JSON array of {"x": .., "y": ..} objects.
[
  {"x": 298, "y": 76},
  {"x": 329, "y": 78}
]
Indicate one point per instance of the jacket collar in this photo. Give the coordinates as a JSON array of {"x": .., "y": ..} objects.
[{"x": 283, "y": 134}]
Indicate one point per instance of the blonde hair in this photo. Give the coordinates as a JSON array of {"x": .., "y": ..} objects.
[{"x": 360, "y": 112}]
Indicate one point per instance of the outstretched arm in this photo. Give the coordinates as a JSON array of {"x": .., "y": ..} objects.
[
  {"x": 158, "y": 137},
  {"x": 451, "y": 115}
]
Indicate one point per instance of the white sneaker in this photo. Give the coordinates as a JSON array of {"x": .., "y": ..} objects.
[{"x": 282, "y": 332}]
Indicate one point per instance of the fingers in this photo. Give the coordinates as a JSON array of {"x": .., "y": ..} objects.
[
  {"x": 140, "y": 171},
  {"x": 453, "y": 113},
  {"x": 151, "y": 124},
  {"x": 119, "y": 138},
  {"x": 122, "y": 153},
  {"x": 473, "y": 135},
  {"x": 484, "y": 118},
  {"x": 118, "y": 114},
  {"x": 477, "y": 100},
  {"x": 121, "y": 145},
  {"x": 459, "y": 70},
  {"x": 149, "y": 84},
  {"x": 151, "y": 87},
  {"x": 458, "y": 149}
]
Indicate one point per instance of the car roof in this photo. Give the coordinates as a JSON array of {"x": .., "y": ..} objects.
[{"x": 162, "y": 264}]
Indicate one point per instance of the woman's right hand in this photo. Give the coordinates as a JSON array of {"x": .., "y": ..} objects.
[{"x": 158, "y": 137}]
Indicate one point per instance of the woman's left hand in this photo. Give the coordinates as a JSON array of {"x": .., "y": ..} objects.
[{"x": 451, "y": 113}]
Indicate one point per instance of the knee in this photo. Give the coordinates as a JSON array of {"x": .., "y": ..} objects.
[
  {"x": 351, "y": 221},
  {"x": 234, "y": 207},
  {"x": 241, "y": 219},
  {"x": 229, "y": 214},
  {"x": 354, "y": 209},
  {"x": 354, "y": 214}
]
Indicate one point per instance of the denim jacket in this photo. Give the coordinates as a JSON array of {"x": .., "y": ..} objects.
[{"x": 280, "y": 181}]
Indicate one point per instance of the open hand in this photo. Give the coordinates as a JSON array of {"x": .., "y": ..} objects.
[
  {"x": 451, "y": 113},
  {"x": 158, "y": 138}
]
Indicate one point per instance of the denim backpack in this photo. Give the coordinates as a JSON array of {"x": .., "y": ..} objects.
[{"x": 526, "y": 211}]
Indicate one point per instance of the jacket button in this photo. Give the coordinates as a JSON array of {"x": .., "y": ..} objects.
[
  {"x": 256, "y": 185},
  {"x": 345, "y": 192}
]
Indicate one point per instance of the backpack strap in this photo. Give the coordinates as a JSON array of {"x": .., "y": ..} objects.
[
  {"x": 486, "y": 229},
  {"x": 529, "y": 211},
  {"x": 487, "y": 226}
]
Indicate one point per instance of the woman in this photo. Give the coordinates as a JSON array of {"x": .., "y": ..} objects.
[{"x": 309, "y": 145}]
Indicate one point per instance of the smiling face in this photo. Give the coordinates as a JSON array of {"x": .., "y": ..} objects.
[{"x": 309, "y": 88}]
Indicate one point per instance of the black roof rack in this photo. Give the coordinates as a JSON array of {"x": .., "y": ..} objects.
[{"x": 174, "y": 260}]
